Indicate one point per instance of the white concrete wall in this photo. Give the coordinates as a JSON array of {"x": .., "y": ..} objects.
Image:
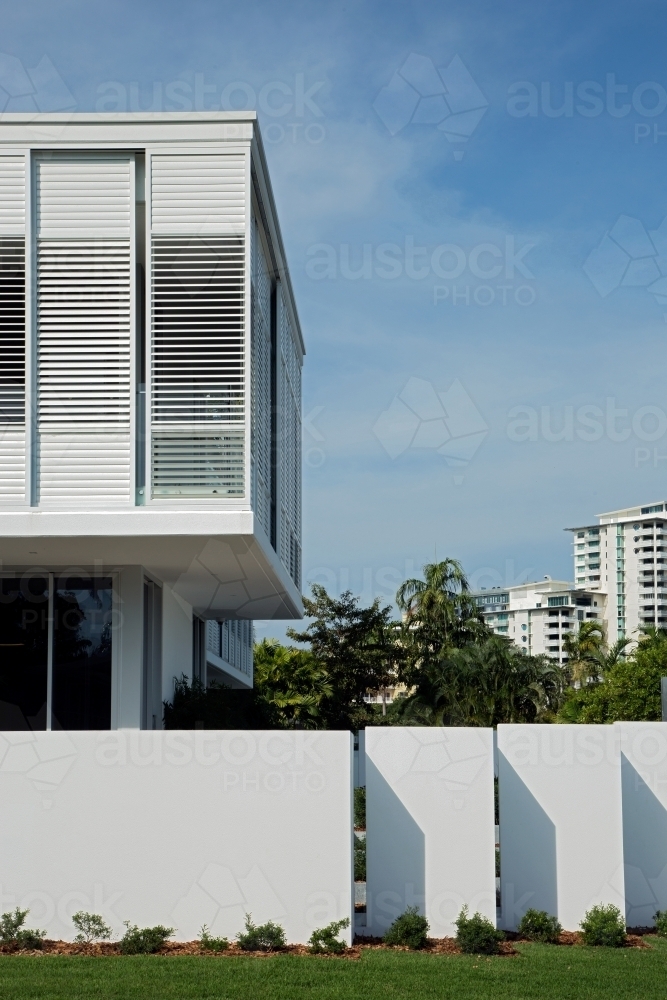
[
  {"x": 561, "y": 844},
  {"x": 644, "y": 783},
  {"x": 430, "y": 825},
  {"x": 178, "y": 828},
  {"x": 176, "y": 640}
]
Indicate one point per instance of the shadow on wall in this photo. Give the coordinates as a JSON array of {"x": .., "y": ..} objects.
[
  {"x": 396, "y": 855},
  {"x": 528, "y": 866},
  {"x": 644, "y": 848}
]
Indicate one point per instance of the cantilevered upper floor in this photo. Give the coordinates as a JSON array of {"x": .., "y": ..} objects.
[{"x": 150, "y": 356}]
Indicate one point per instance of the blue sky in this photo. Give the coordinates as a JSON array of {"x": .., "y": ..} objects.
[{"x": 568, "y": 330}]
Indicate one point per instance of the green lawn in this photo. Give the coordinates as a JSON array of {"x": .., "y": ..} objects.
[{"x": 541, "y": 972}]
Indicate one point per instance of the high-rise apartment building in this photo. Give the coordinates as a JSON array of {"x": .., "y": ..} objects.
[
  {"x": 537, "y": 616},
  {"x": 624, "y": 556}
]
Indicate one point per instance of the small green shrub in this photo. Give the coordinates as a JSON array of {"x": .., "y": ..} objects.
[
  {"x": 209, "y": 943},
  {"x": 410, "y": 929},
  {"x": 91, "y": 928},
  {"x": 144, "y": 940},
  {"x": 661, "y": 923},
  {"x": 359, "y": 859},
  {"x": 476, "y": 935},
  {"x": 324, "y": 941},
  {"x": 360, "y": 808},
  {"x": 12, "y": 931},
  {"x": 262, "y": 937},
  {"x": 538, "y": 925},
  {"x": 604, "y": 926}
]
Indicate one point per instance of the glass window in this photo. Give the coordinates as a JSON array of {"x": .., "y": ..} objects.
[
  {"x": 23, "y": 652},
  {"x": 82, "y": 653}
]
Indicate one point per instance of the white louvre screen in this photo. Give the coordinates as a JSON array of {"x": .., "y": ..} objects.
[
  {"x": 12, "y": 330},
  {"x": 84, "y": 334},
  {"x": 12, "y": 465},
  {"x": 236, "y": 644},
  {"x": 261, "y": 383},
  {"x": 198, "y": 462},
  {"x": 198, "y": 193},
  {"x": 87, "y": 195},
  {"x": 12, "y": 195},
  {"x": 232, "y": 641},
  {"x": 12, "y": 370},
  {"x": 84, "y": 467},
  {"x": 290, "y": 445},
  {"x": 84, "y": 328},
  {"x": 198, "y": 366}
]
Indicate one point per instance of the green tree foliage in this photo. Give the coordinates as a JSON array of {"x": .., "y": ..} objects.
[
  {"x": 629, "y": 689},
  {"x": 290, "y": 684},
  {"x": 439, "y": 613},
  {"x": 357, "y": 647},
  {"x": 589, "y": 657},
  {"x": 483, "y": 684}
]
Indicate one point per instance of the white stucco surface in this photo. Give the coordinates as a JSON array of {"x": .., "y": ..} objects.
[
  {"x": 644, "y": 783},
  {"x": 430, "y": 824},
  {"x": 178, "y": 828},
  {"x": 561, "y": 843}
]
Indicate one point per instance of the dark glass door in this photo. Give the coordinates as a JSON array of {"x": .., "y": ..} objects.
[
  {"x": 82, "y": 653},
  {"x": 24, "y": 604}
]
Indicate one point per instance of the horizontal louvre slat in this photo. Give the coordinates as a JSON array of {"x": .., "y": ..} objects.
[
  {"x": 84, "y": 334},
  {"x": 85, "y": 467},
  {"x": 198, "y": 193},
  {"x": 12, "y": 465},
  {"x": 83, "y": 196},
  {"x": 198, "y": 464},
  {"x": 12, "y": 195},
  {"x": 290, "y": 452},
  {"x": 197, "y": 339},
  {"x": 12, "y": 330},
  {"x": 261, "y": 382}
]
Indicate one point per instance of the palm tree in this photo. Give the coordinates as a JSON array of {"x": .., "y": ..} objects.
[
  {"x": 442, "y": 604},
  {"x": 483, "y": 684},
  {"x": 583, "y": 648}
]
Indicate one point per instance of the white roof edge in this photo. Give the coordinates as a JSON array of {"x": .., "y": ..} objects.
[
  {"x": 624, "y": 511},
  {"x": 270, "y": 208},
  {"x": 114, "y": 117},
  {"x": 558, "y": 584}
]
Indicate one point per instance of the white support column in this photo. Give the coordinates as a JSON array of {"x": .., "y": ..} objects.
[{"x": 128, "y": 640}]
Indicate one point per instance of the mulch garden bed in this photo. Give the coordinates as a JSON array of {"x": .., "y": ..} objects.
[{"x": 435, "y": 946}]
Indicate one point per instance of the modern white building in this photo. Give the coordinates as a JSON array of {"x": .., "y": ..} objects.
[
  {"x": 537, "y": 616},
  {"x": 150, "y": 414},
  {"x": 624, "y": 556}
]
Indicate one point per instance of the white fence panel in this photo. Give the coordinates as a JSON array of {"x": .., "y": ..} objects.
[
  {"x": 178, "y": 828},
  {"x": 430, "y": 825},
  {"x": 561, "y": 844},
  {"x": 644, "y": 782}
]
